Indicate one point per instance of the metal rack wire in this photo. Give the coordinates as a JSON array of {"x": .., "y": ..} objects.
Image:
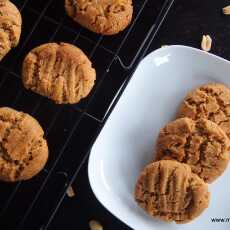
[{"x": 70, "y": 130}]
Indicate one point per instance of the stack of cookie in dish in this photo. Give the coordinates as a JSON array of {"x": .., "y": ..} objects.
[
  {"x": 61, "y": 72},
  {"x": 191, "y": 151}
]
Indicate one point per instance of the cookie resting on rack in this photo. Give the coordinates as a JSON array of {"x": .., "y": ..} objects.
[
  {"x": 105, "y": 17},
  {"x": 10, "y": 27},
  {"x": 169, "y": 191},
  {"x": 61, "y": 72},
  {"x": 23, "y": 150}
]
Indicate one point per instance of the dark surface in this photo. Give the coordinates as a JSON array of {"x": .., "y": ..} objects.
[
  {"x": 186, "y": 23},
  {"x": 70, "y": 130}
]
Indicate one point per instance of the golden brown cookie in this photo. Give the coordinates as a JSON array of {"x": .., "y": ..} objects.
[
  {"x": 23, "y": 150},
  {"x": 169, "y": 191},
  {"x": 105, "y": 17},
  {"x": 10, "y": 27},
  {"x": 210, "y": 101},
  {"x": 202, "y": 144},
  {"x": 61, "y": 72}
]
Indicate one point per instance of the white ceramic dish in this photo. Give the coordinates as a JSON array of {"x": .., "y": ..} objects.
[{"x": 125, "y": 144}]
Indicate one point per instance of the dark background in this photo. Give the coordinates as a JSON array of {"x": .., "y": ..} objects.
[{"x": 70, "y": 130}]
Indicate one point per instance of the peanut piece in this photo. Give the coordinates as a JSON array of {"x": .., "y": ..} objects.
[
  {"x": 226, "y": 10},
  {"x": 206, "y": 43},
  {"x": 70, "y": 192},
  {"x": 95, "y": 225}
]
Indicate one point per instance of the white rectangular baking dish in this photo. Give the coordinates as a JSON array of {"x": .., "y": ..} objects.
[{"x": 126, "y": 142}]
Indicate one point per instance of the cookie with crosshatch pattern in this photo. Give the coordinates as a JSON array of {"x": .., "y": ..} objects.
[
  {"x": 61, "y": 72},
  {"x": 10, "y": 27},
  {"x": 168, "y": 190},
  {"x": 23, "y": 149},
  {"x": 105, "y": 17},
  {"x": 201, "y": 144},
  {"x": 210, "y": 101}
]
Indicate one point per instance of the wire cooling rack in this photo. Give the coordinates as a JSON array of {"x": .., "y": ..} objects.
[{"x": 70, "y": 130}]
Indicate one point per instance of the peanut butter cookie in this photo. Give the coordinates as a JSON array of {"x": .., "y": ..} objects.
[
  {"x": 10, "y": 27},
  {"x": 169, "y": 191},
  {"x": 23, "y": 150},
  {"x": 202, "y": 144},
  {"x": 61, "y": 72},
  {"x": 210, "y": 101},
  {"x": 105, "y": 17}
]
